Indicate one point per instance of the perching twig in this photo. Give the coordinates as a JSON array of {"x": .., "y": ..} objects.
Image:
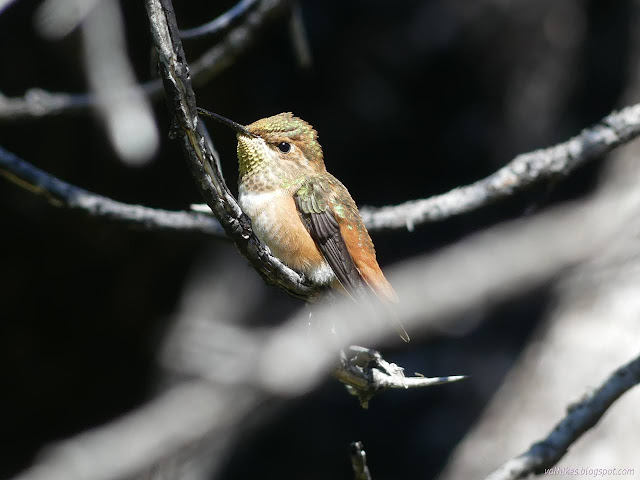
[
  {"x": 365, "y": 374},
  {"x": 62, "y": 194},
  {"x": 525, "y": 170},
  {"x": 200, "y": 157},
  {"x": 359, "y": 462},
  {"x": 581, "y": 416}
]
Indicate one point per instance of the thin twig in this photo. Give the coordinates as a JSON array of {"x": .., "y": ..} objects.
[
  {"x": 581, "y": 416},
  {"x": 525, "y": 170},
  {"x": 201, "y": 158},
  {"x": 220, "y": 23},
  {"x": 62, "y": 194}
]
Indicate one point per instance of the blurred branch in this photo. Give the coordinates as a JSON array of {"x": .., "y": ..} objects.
[
  {"x": 151, "y": 434},
  {"x": 299, "y": 39},
  {"x": 523, "y": 171},
  {"x": 38, "y": 103},
  {"x": 62, "y": 194},
  {"x": 220, "y": 23},
  {"x": 365, "y": 374},
  {"x": 4, "y": 4},
  {"x": 128, "y": 119},
  {"x": 55, "y": 19},
  {"x": 359, "y": 462},
  {"x": 581, "y": 416},
  {"x": 200, "y": 157}
]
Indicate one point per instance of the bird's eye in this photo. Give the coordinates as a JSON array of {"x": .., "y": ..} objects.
[{"x": 284, "y": 147}]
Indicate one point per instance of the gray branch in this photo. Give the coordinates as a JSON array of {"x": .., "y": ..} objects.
[
  {"x": 62, "y": 194},
  {"x": 200, "y": 156},
  {"x": 523, "y": 171},
  {"x": 581, "y": 416}
]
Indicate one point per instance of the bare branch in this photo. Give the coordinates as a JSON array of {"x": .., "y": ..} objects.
[
  {"x": 581, "y": 416},
  {"x": 201, "y": 159},
  {"x": 359, "y": 462},
  {"x": 365, "y": 374},
  {"x": 62, "y": 194},
  {"x": 38, "y": 103},
  {"x": 523, "y": 171}
]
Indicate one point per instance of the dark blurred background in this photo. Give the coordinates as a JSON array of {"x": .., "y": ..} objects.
[{"x": 410, "y": 99}]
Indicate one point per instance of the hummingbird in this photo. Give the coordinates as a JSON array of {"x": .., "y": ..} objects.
[{"x": 301, "y": 212}]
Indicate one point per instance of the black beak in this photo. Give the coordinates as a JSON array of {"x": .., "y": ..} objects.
[{"x": 224, "y": 120}]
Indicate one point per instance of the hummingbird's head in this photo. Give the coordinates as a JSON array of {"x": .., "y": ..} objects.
[{"x": 281, "y": 142}]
